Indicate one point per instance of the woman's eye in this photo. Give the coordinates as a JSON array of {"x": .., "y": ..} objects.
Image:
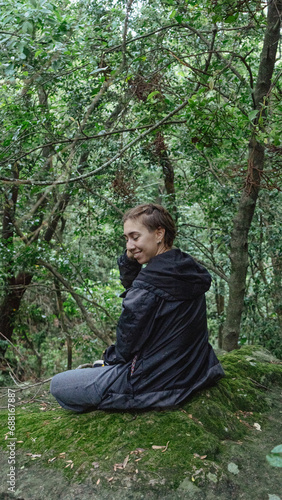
[{"x": 135, "y": 238}]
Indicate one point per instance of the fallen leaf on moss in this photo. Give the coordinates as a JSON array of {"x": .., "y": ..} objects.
[
  {"x": 125, "y": 461},
  {"x": 69, "y": 465},
  {"x": 137, "y": 451},
  {"x": 33, "y": 456},
  {"x": 118, "y": 466},
  {"x": 122, "y": 465},
  {"x": 166, "y": 446},
  {"x": 163, "y": 448},
  {"x": 257, "y": 427}
]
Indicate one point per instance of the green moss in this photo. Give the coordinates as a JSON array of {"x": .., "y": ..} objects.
[{"x": 193, "y": 434}]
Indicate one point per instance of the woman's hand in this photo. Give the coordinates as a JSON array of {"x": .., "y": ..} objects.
[{"x": 130, "y": 255}]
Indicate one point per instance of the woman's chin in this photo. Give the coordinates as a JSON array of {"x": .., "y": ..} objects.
[{"x": 140, "y": 258}]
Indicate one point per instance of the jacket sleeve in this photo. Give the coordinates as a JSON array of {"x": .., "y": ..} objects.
[
  {"x": 129, "y": 269},
  {"x": 134, "y": 326}
]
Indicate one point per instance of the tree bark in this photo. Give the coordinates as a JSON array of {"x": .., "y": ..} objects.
[
  {"x": 168, "y": 172},
  {"x": 220, "y": 299},
  {"x": 243, "y": 218},
  {"x": 276, "y": 294},
  {"x": 15, "y": 286},
  {"x": 62, "y": 318}
]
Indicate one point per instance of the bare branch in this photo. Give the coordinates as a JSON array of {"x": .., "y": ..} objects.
[
  {"x": 7, "y": 340},
  {"x": 82, "y": 139},
  {"x": 129, "y": 145},
  {"x": 206, "y": 42},
  {"x": 105, "y": 338},
  {"x": 9, "y": 33},
  {"x": 89, "y": 190},
  {"x": 210, "y": 266}
]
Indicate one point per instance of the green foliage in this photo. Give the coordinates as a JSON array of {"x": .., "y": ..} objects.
[
  {"x": 40, "y": 339},
  {"x": 78, "y": 87}
]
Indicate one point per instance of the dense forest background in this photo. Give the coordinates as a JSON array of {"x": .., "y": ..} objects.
[{"x": 107, "y": 104}]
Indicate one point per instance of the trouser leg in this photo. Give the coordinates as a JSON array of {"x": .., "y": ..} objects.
[{"x": 82, "y": 390}]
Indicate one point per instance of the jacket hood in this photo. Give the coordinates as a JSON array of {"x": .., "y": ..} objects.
[{"x": 178, "y": 274}]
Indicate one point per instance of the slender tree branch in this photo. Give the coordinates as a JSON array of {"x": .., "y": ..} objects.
[
  {"x": 83, "y": 139},
  {"x": 132, "y": 40},
  {"x": 211, "y": 49},
  {"x": 89, "y": 190},
  {"x": 174, "y": 25},
  {"x": 206, "y": 42},
  {"x": 196, "y": 70},
  {"x": 210, "y": 266},
  {"x": 211, "y": 167},
  {"x": 125, "y": 28},
  {"x": 9, "y": 33},
  {"x": 187, "y": 224},
  {"x": 109, "y": 162},
  {"x": 104, "y": 337},
  {"x": 7, "y": 340}
]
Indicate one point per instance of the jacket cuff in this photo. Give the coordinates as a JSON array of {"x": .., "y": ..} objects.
[
  {"x": 129, "y": 269},
  {"x": 112, "y": 357},
  {"x": 125, "y": 261}
]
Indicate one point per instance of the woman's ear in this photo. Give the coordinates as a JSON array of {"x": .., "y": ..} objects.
[{"x": 160, "y": 232}]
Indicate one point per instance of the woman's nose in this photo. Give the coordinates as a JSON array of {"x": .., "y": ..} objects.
[{"x": 130, "y": 245}]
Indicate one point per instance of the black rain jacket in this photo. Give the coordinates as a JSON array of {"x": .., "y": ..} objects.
[{"x": 162, "y": 340}]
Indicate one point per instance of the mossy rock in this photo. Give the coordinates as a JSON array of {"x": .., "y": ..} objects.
[{"x": 154, "y": 454}]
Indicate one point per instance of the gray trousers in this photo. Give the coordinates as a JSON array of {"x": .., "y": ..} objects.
[{"x": 83, "y": 389}]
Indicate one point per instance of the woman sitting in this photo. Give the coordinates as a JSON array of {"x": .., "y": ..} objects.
[{"x": 162, "y": 354}]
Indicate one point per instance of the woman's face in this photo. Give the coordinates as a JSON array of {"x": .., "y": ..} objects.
[{"x": 142, "y": 244}]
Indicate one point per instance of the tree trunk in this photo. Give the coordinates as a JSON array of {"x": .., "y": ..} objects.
[
  {"x": 219, "y": 298},
  {"x": 14, "y": 285},
  {"x": 15, "y": 288},
  {"x": 168, "y": 172},
  {"x": 276, "y": 294},
  {"x": 62, "y": 318},
  {"x": 17, "y": 285},
  {"x": 243, "y": 219}
]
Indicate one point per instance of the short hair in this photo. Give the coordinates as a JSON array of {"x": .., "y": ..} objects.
[{"x": 154, "y": 216}]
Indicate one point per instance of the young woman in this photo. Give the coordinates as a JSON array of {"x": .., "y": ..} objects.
[{"x": 162, "y": 354}]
